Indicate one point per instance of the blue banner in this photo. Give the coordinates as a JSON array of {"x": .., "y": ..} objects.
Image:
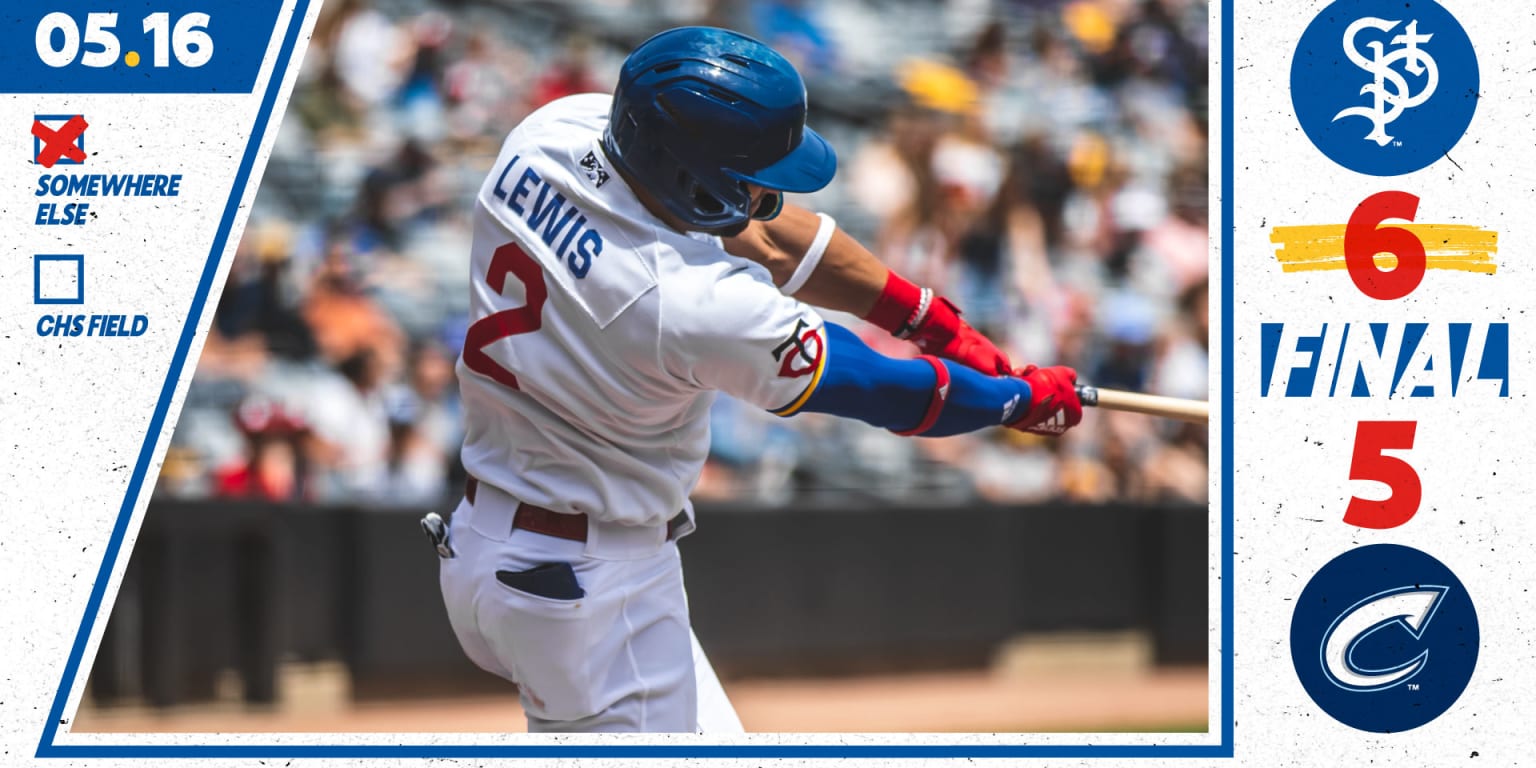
[{"x": 134, "y": 46}]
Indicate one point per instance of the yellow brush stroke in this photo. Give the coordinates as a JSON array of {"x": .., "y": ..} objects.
[{"x": 1461, "y": 247}]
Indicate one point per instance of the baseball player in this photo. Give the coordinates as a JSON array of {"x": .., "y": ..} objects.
[{"x": 632, "y": 256}]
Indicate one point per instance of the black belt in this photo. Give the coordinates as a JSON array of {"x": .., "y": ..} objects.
[{"x": 531, "y": 517}]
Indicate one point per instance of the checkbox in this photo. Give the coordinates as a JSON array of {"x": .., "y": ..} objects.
[
  {"x": 58, "y": 140},
  {"x": 58, "y": 279}
]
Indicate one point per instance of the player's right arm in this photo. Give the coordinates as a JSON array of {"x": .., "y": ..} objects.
[{"x": 814, "y": 261}]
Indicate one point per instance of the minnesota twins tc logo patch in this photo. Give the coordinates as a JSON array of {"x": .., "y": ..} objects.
[
  {"x": 1384, "y": 88},
  {"x": 1384, "y": 638}
]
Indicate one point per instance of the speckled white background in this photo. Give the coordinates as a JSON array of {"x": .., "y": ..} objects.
[
  {"x": 73, "y": 411},
  {"x": 1293, "y": 455}
]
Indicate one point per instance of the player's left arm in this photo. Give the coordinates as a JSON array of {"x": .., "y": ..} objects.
[
  {"x": 819, "y": 264},
  {"x": 741, "y": 336},
  {"x": 931, "y": 398}
]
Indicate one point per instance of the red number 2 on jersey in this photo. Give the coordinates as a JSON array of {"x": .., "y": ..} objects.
[{"x": 507, "y": 260}]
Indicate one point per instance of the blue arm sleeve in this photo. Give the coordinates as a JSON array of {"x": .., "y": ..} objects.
[{"x": 860, "y": 383}]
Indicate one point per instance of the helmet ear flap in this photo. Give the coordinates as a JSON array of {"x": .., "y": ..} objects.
[
  {"x": 705, "y": 201},
  {"x": 707, "y": 204},
  {"x": 702, "y": 200}
]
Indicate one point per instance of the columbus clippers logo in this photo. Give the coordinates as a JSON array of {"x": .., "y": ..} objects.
[
  {"x": 1384, "y": 638},
  {"x": 1389, "y": 90},
  {"x": 1408, "y": 608}
]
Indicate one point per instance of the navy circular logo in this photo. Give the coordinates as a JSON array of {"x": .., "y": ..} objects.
[
  {"x": 1384, "y": 638},
  {"x": 1384, "y": 88}
]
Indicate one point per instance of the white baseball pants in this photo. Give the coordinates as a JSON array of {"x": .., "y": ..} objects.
[{"x": 621, "y": 658}]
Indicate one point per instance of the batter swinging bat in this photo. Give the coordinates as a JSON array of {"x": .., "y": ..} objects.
[{"x": 1195, "y": 411}]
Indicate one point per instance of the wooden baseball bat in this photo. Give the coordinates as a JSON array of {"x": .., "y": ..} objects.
[{"x": 1195, "y": 411}]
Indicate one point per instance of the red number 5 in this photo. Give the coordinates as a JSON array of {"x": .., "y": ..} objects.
[
  {"x": 1369, "y": 463},
  {"x": 507, "y": 260}
]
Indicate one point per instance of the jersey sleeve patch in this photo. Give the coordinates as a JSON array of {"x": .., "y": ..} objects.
[{"x": 803, "y": 353}]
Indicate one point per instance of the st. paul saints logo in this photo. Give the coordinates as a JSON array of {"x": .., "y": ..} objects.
[
  {"x": 1389, "y": 93},
  {"x": 1384, "y": 88}
]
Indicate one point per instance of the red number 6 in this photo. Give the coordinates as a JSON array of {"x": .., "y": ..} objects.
[
  {"x": 1364, "y": 238},
  {"x": 509, "y": 259}
]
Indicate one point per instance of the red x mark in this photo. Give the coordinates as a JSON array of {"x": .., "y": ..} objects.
[{"x": 60, "y": 143}]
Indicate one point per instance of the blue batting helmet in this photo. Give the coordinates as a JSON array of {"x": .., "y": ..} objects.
[{"x": 700, "y": 113}]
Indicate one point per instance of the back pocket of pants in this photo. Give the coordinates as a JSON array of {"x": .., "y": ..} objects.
[{"x": 552, "y": 581}]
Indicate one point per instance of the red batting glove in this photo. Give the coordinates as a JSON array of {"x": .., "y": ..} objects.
[
  {"x": 1053, "y": 404},
  {"x": 934, "y": 325},
  {"x": 943, "y": 333}
]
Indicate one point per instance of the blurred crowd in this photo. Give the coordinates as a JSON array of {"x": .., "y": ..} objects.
[{"x": 1040, "y": 162}]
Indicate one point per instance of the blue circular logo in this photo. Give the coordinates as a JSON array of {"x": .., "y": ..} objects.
[
  {"x": 1384, "y": 88},
  {"x": 1384, "y": 638}
]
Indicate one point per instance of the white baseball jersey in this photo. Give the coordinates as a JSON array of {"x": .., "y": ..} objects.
[{"x": 598, "y": 335}]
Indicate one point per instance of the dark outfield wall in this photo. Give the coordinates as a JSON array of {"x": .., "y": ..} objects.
[{"x": 772, "y": 591}]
